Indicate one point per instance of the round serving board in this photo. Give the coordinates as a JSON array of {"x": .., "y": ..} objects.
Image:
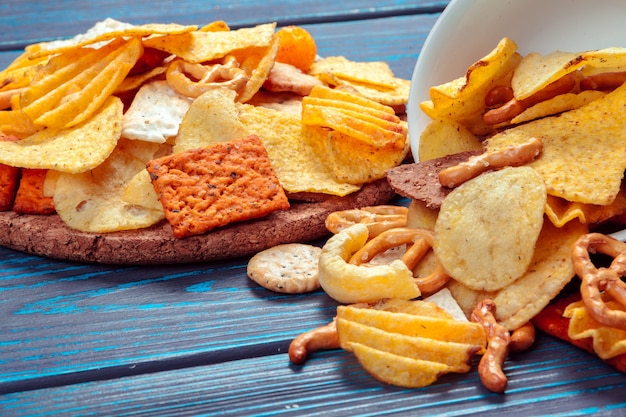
[{"x": 48, "y": 236}]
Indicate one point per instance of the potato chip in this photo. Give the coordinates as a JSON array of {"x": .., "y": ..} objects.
[
  {"x": 140, "y": 192},
  {"x": 456, "y": 356},
  {"x": 298, "y": 167},
  {"x": 103, "y": 31},
  {"x": 202, "y": 46},
  {"x": 374, "y": 72},
  {"x": 608, "y": 342},
  {"x": 211, "y": 118},
  {"x": 438, "y": 328},
  {"x": 584, "y": 150},
  {"x": 349, "y": 283},
  {"x": 550, "y": 270},
  {"x": 487, "y": 227},
  {"x": 258, "y": 66},
  {"x": 77, "y": 149},
  {"x": 93, "y": 201},
  {"x": 398, "y": 370},
  {"x": 415, "y": 307},
  {"x": 445, "y": 137}
]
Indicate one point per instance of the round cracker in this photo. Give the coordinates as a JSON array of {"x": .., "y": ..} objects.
[
  {"x": 49, "y": 236},
  {"x": 487, "y": 228},
  {"x": 290, "y": 268}
]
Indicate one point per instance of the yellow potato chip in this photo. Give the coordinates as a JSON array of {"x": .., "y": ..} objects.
[
  {"x": 211, "y": 118},
  {"x": 487, "y": 227},
  {"x": 442, "y": 329},
  {"x": 446, "y": 137},
  {"x": 398, "y": 370},
  {"x": 415, "y": 307},
  {"x": 457, "y": 356},
  {"x": 349, "y": 283},
  {"x": 103, "y": 31},
  {"x": 608, "y": 342},
  {"x": 396, "y": 97},
  {"x": 93, "y": 201},
  {"x": 352, "y": 161},
  {"x": 140, "y": 192},
  {"x": 298, "y": 167},
  {"x": 202, "y": 46},
  {"x": 258, "y": 67},
  {"x": 376, "y": 73},
  {"x": 558, "y": 104},
  {"x": 77, "y": 149},
  {"x": 584, "y": 150},
  {"x": 550, "y": 270}
]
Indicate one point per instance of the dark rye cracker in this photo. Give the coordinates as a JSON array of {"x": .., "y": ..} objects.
[
  {"x": 47, "y": 235},
  {"x": 420, "y": 180},
  {"x": 226, "y": 182}
]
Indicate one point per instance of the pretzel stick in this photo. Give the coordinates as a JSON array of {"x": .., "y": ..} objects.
[
  {"x": 322, "y": 338},
  {"x": 522, "y": 338},
  {"x": 514, "y": 106},
  {"x": 598, "y": 280},
  {"x": 498, "y": 340},
  {"x": 603, "y": 81},
  {"x": 510, "y": 156}
]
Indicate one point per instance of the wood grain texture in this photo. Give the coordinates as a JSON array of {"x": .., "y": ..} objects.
[{"x": 332, "y": 383}]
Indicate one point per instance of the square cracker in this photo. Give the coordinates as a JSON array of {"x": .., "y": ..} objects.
[{"x": 201, "y": 189}]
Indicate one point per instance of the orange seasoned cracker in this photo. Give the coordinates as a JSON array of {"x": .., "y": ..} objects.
[
  {"x": 9, "y": 180},
  {"x": 30, "y": 198},
  {"x": 201, "y": 189}
]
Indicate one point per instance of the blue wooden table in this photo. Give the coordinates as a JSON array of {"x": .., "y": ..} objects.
[{"x": 202, "y": 339}]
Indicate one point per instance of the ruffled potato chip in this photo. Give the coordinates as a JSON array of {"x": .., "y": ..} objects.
[{"x": 73, "y": 150}]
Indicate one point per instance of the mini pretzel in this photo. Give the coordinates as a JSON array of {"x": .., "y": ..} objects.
[
  {"x": 595, "y": 281},
  {"x": 203, "y": 78},
  {"x": 498, "y": 340},
  {"x": 511, "y": 156},
  {"x": 322, "y": 338},
  {"x": 421, "y": 241},
  {"x": 376, "y": 218}
]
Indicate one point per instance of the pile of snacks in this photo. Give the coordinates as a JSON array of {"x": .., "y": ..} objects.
[{"x": 91, "y": 112}]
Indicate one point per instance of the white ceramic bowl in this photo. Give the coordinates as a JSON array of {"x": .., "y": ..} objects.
[{"x": 469, "y": 29}]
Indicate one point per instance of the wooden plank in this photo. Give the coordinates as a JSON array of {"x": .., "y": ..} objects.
[
  {"x": 548, "y": 380},
  {"x": 25, "y": 22}
]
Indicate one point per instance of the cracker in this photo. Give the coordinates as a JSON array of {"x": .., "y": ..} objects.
[
  {"x": 289, "y": 268},
  {"x": 30, "y": 198},
  {"x": 202, "y": 189},
  {"x": 9, "y": 180}
]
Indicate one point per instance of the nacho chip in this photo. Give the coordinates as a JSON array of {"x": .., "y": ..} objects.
[
  {"x": 584, "y": 150},
  {"x": 201, "y": 46},
  {"x": 550, "y": 270},
  {"x": 76, "y": 149},
  {"x": 561, "y": 211},
  {"x": 257, "y": 64},
  {"x": 298, "y": 167},
  {"x": 487, "y": 227}
]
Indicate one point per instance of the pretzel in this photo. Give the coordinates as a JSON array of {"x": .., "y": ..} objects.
[
  {"x": 603, "y": 81},
  {"x": 421, "y": 241},
  {"x": 324, "y": 337},
  {"x": 522, "y": 338},
  {"x": 514, "y": 155},
  {"x": 595, "y": 281},
  {"x": 514, "y": 107},
  {"x": 498, "y": 95},
  {"x": 376, "y": 218},
  {"x": 227, "y": 74},
  {"x": 498, "y": 340}
]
